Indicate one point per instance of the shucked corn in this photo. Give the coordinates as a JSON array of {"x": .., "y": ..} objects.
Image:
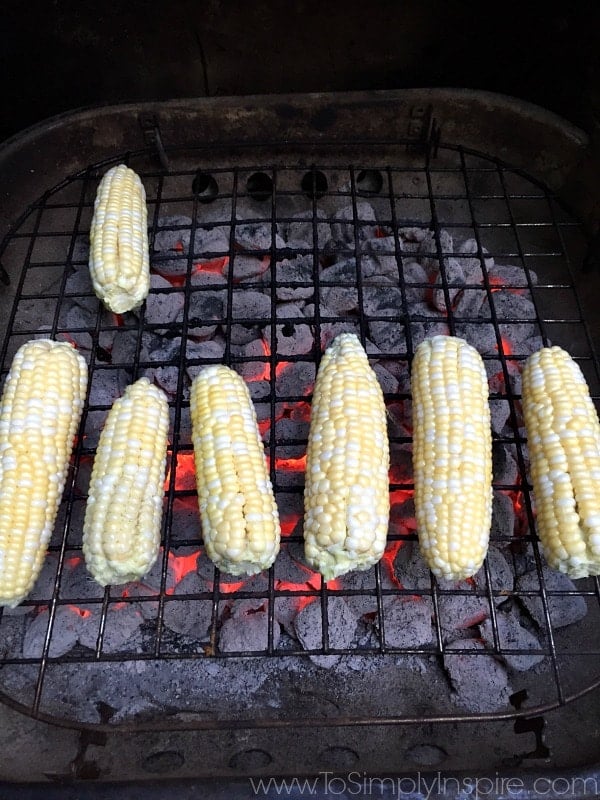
[
  {"x": 452, "y": 456},
  {"x": 240, "y": 521},
  {"x": 346, "y": 498},
  {"x": 39, "y": 415},
  {"x": 121, "y": 529},
  {"x": 564, "y": 451},
  {"x": 119, "y": 255}
]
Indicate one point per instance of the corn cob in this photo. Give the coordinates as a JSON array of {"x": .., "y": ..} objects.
[
  {"x": 240, "y": 520},
  {"x": 452, "y": 456},
  {"x": 119, "y": 256},
  {"x": 121, "y": 529},
  {"x": 564, "y": 451},
  {"x": 346, "y": 497},
  {"x": 39, "y": 414}
]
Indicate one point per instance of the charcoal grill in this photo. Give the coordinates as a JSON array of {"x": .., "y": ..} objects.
[{"x": 418, "y": 179}]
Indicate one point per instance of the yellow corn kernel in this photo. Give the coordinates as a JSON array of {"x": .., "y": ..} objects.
[
  {"x": 39, "y": 415},
  {"x": 346, "y": 496},
  {"x": 121, "y": 529},
  {"x": 452, "y": 456},
  {"x": 240, "y": 520},
  {"x": 119, "y": 253},
  {"x": 564, "y": 451}
]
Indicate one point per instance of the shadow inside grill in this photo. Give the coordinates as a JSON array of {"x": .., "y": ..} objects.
[{"x": 260, "y": 268}]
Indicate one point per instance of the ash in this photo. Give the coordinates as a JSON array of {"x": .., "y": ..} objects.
[{"x": 183, "y": 641}]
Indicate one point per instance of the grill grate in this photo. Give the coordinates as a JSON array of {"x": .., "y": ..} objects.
[{"x": 510, "y": 216}]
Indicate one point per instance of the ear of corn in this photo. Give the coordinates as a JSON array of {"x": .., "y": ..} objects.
[
  {"x": 346, "y": 497},
  {"x": 240, "y": 520},
  {"x": 119, "y": 255},
  {"x": 452, "y": 456},
  {"x": 564, "y": 451},
  {"x": 39, "y": 414},
  {"x": 121, "y": 530}
]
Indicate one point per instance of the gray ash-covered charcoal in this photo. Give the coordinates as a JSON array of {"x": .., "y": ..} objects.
[
  {"x": 291, "y": 272},
  {"x": 344, "y": 230},
  {"x": 383, "y": 253},
  {"x": 173, "y": 234},
  {"x": 166, "y": 378},
  {"x": 414, "y": 273},
  {"x": 163, "y": 307},
  {"x": 407, "y": 621},
  {"x": 469, "y": 302},
  {"x": 121, "y": 632},
  {"x": 501, "y": 574},
  {"x": 251, "y": 305},
  {"x": 65, "y": 633},
  {"x": 201, "y": 333},
  {"x": 260, "y": 390},
  {"x": 479, "y": 682},
  {"x": 247, "y": 267},
  {"x": 189, "y": 617},
  {"x": 159, "y": 348},
  {"x": 247, "y": 627},
  {"x": 508, "y": 275},
  {"x": 509, "y": 306},
  {"x": 204, "y": 278},
  {"x": 343, "y": 272},
  {"x": 253, "y": 370},
  {"x": 425, "y": 330},
  {"x": 382, "y": 301},
  {"x": 428, "y": 250},
  {"x": 295, "y": 379},
  {"x": 455, "y": 280},
  {"x": 205, "y": 306},
  {"x": 256, "y": 236},
  {"x": 292, "y": 430},
  {"x": 242, "y": 333},
  {"x": 564, "y": 610},
  {"x": 387, "y": 381},
  {"x": 341, "y": 628},
  {"x": 290, "y": 311},
  {"x": 503, "y": 516},
  {"x": 340, "y": 299},
  {"x": 459, "y": 613},
  {"x": 504, "y": 464},
  {"x": 481, "y": 336},
  {"x": 512, "y": 636},
  {"x": 79, "y": 283},
  {"x": 389, "y": 338},
  {"x": 212, "y": 349},
  {"x": 293, "y": 339},
  {"x": 472, "y": 265},
  {"x": 302, "y": 230},
  {"x": 107, "y": 385},
  {"x": 410, "y": 568},
  {"x": 500, "y": 414},
  {"x": 363, "y": 581},
  {"x": 210, "y": 243}
]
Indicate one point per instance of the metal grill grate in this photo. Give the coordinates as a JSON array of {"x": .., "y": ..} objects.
[{"x": 511, "y": 218}]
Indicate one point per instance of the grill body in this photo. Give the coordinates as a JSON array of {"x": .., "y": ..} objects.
[{"x": 426, "y": 184}]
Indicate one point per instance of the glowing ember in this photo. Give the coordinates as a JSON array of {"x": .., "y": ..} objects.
[
  {"x": 265, "y": 373},
  {"x": 506, "y": 347},
  {"x": 185, "y": 473},
  {"x": 180, "y": 566},
  {"x": 289, "y": 523},
  {"x": 230, "y": 588},
  {"x": 84, "y": 613},
  {"x": 118, "y": 320},
  {"x": 291, "y": 464},
  {"x": 216, "y": 266},
  {"x": 387, "y": 561}
]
